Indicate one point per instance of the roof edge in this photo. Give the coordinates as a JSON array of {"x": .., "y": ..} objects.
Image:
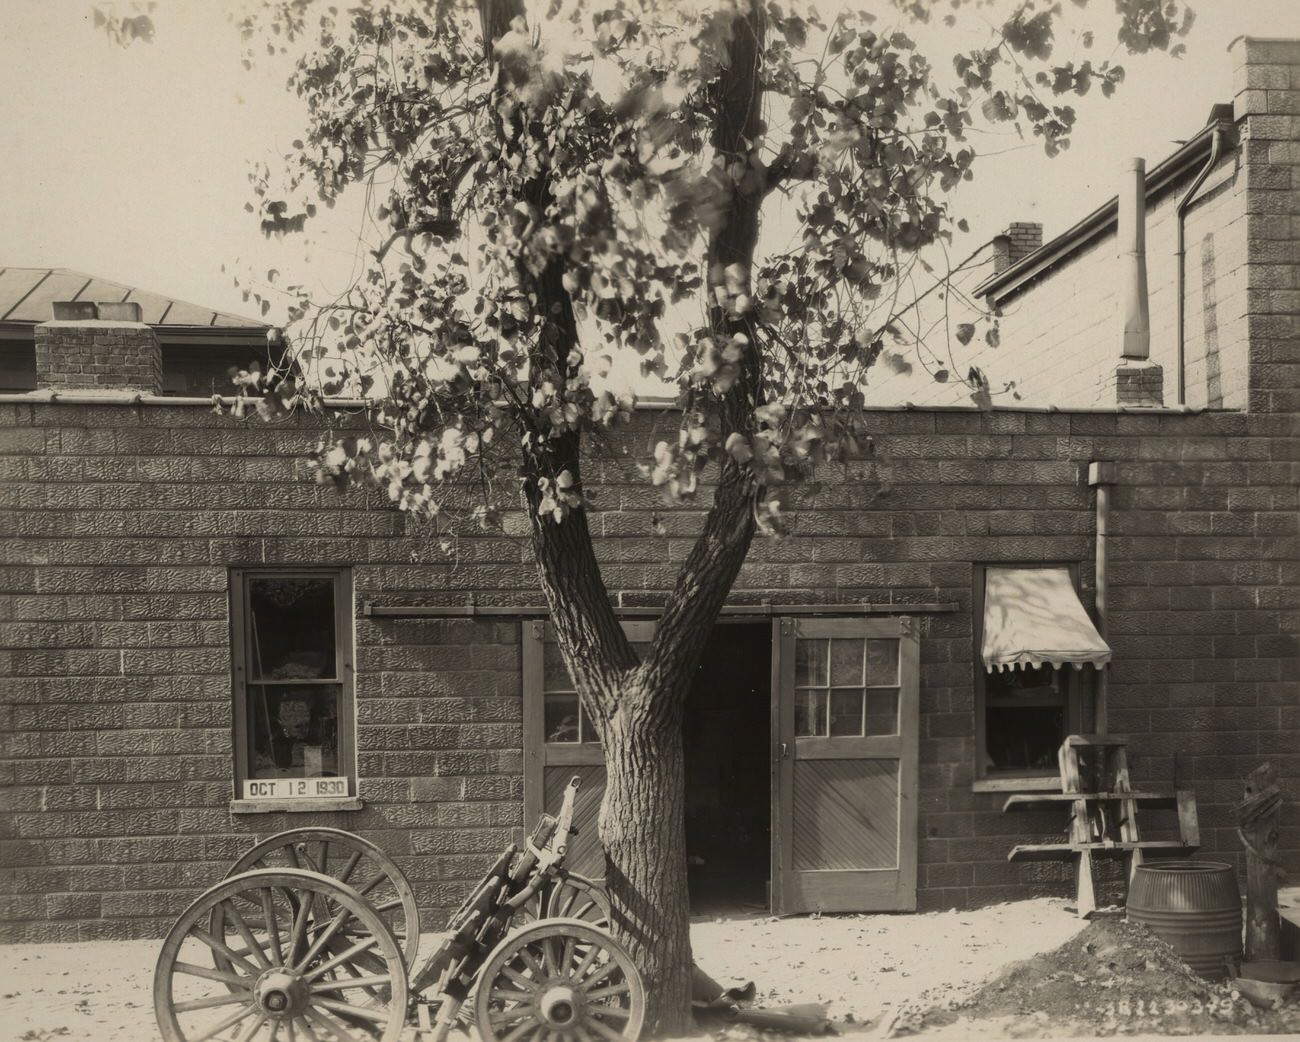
[{"x": 1101, "y": 220}]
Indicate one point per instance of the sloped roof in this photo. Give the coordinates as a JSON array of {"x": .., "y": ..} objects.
[{"x": 27, "y": 293}]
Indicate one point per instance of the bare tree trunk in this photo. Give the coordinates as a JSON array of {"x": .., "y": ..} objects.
[{"x": 643, "y": 832}]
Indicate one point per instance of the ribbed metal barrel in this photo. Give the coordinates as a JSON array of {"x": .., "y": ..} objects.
[{"x": 1195, "y": 907}]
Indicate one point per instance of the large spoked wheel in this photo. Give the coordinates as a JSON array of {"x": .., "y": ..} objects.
[
  {"x": 351, "y": 860},
  {"x": 559, "y": 979},
  {"x": 301, "y": 956},
  {"x": 577, "y": 897}
]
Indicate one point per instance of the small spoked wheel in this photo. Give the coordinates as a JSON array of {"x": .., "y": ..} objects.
[
  {"x": 300, "y": 956},
  {"x": 351, "y": 860},
  {"x": 559, "y": 979},
  {"x": 577, "y": 897}
]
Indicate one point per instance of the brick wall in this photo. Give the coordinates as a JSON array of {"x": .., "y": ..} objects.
[
  {"x": 98, "y": 355},
  {"x": 116, "y": 664}
]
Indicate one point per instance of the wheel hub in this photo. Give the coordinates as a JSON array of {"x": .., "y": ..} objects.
[
  {"x": 279, "y": 993},
  {"x": 560, "y": 1007}
]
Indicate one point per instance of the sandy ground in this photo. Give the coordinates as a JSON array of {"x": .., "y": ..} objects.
[{"x": 864, "y": 967}]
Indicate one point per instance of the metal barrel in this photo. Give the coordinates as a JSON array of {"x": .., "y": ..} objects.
[{"x": 1195, "y": 907}]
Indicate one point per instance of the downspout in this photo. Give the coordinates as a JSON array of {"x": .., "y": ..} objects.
[
  {"x": 1180, "y": 213},
  {"x": 1101, "y": 475}
]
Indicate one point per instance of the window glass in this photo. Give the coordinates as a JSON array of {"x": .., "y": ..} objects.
[
  {"x": 565, "y": 719},
  {"x": 846, "y": 712},
  {"x": 294, "y": 730},
  {"x": 882, "y": 663},
  {"x": 809, "y": 713},
  {"x": 846, "y": 662},
  {"x": 562, "y": 723},
  {"x": 882, "y": 711},
  {"x": 1024, "y": 737},
  {"x": 810, "y": 663},
  {"x": 291, "y": 628},
  {"x": 1025, "y": 718}
]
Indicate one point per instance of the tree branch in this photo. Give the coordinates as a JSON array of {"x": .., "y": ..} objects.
[{"x": 716, "y": 558}]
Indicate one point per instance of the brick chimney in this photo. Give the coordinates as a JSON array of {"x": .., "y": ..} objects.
[
  {"x": 1016, "y": 243},
  {"x": 97, "y": 347}
]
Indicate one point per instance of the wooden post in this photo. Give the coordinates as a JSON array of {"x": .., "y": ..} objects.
[{"x": 1257, "y": 822}]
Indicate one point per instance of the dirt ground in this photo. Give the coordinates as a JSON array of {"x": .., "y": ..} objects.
[
  {"x": 864, "y": 967},
  {"x": 1026, "y": 969},
  {"x": 1112, "y": 978}
]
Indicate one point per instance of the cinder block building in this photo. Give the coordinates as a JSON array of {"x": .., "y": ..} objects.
[{"x": 199, "y": 646}]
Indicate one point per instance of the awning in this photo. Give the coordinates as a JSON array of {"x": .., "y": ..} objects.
[{"x": 1032, "y": 617}]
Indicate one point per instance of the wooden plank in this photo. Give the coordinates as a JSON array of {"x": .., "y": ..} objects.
[
  {"x": 1188, "y": 826},
  {"x": 1031, "y": 800},
  {"x": 786, "y": 898},
  {"x": 1051, "y": 851},
  {"x": 1257, "y": 826},
  {"x": 532, "y": 636},
  {"x": 909, "y": 728},
  {"x": 1076, "y": 741}
]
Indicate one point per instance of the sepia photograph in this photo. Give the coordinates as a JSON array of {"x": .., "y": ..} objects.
[{"x": 631, "y": 520}]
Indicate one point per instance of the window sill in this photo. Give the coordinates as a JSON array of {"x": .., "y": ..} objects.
[
  {"x": 324, "y": 803},
  {"x": 1033, "y": 783}
]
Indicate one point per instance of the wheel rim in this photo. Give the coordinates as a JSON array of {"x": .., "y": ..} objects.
[
  {"x": 301, "y": 958},
  {"x": 577, "y": 897},
  {"x": 559, "y": 978},
  {"x": 351, "y": 860}
]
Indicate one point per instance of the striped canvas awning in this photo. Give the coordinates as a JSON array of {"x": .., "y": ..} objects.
[{"x": 1032, "y": 617}]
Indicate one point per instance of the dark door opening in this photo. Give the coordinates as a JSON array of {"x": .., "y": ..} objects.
[{"x": 728, "y": 740}]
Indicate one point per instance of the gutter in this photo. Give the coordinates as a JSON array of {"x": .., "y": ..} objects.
[
  {"x": 1104, "y": 219},
  {"x": 255, "y": 335},
  {"x": 48, "y": 397},
  {"x": 474, "y": 610}
]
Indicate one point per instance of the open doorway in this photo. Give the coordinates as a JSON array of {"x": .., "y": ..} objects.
[{"x": 728, "y": 739}]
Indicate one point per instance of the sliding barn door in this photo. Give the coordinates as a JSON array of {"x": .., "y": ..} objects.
[
  {"x": 846, "y": 749},
  {"x": 559, "y": 742}
]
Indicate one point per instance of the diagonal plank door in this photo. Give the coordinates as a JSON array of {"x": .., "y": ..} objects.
[
  {"x": 846, "y": 750},
  {"x": 559, "y": 742}
]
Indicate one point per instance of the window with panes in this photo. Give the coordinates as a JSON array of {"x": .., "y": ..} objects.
[{"x": 293, "y": 682}]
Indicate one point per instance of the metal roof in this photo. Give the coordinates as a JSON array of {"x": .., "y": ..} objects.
[{"x": 27, "y": 293}]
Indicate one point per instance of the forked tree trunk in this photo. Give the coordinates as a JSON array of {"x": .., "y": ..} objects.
[{"x": 638, "y": 707}]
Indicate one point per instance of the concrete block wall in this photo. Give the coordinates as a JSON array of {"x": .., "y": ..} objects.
[
  {"x": 115, "y": 660},
  {"x": 1266, "y": 79}
]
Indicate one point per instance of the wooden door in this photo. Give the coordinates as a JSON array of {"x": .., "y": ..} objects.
[
  {"x": 845, "y": 739},
  {"x": 559, "y": 742}
]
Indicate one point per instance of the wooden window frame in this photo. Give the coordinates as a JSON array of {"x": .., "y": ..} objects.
[
  {"x": 345, "y": 678},
  {"x": 1076, "y": 689}
]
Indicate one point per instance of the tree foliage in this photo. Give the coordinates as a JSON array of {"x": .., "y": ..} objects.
[{"x": 582, "y": 146}]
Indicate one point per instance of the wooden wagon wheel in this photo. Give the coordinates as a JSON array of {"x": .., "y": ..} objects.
[
  {"x": 282, "y": 976},
  {"x": 559, "y": 979},
  {"x": 351, "y": 860},
  {"x": 577, "y": 897}
]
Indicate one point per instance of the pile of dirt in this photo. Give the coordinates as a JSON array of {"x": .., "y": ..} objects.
[{"x": 1113, "y": 978}]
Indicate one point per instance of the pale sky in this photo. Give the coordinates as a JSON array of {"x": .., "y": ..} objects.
[{"x": 131, "y": 163}]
